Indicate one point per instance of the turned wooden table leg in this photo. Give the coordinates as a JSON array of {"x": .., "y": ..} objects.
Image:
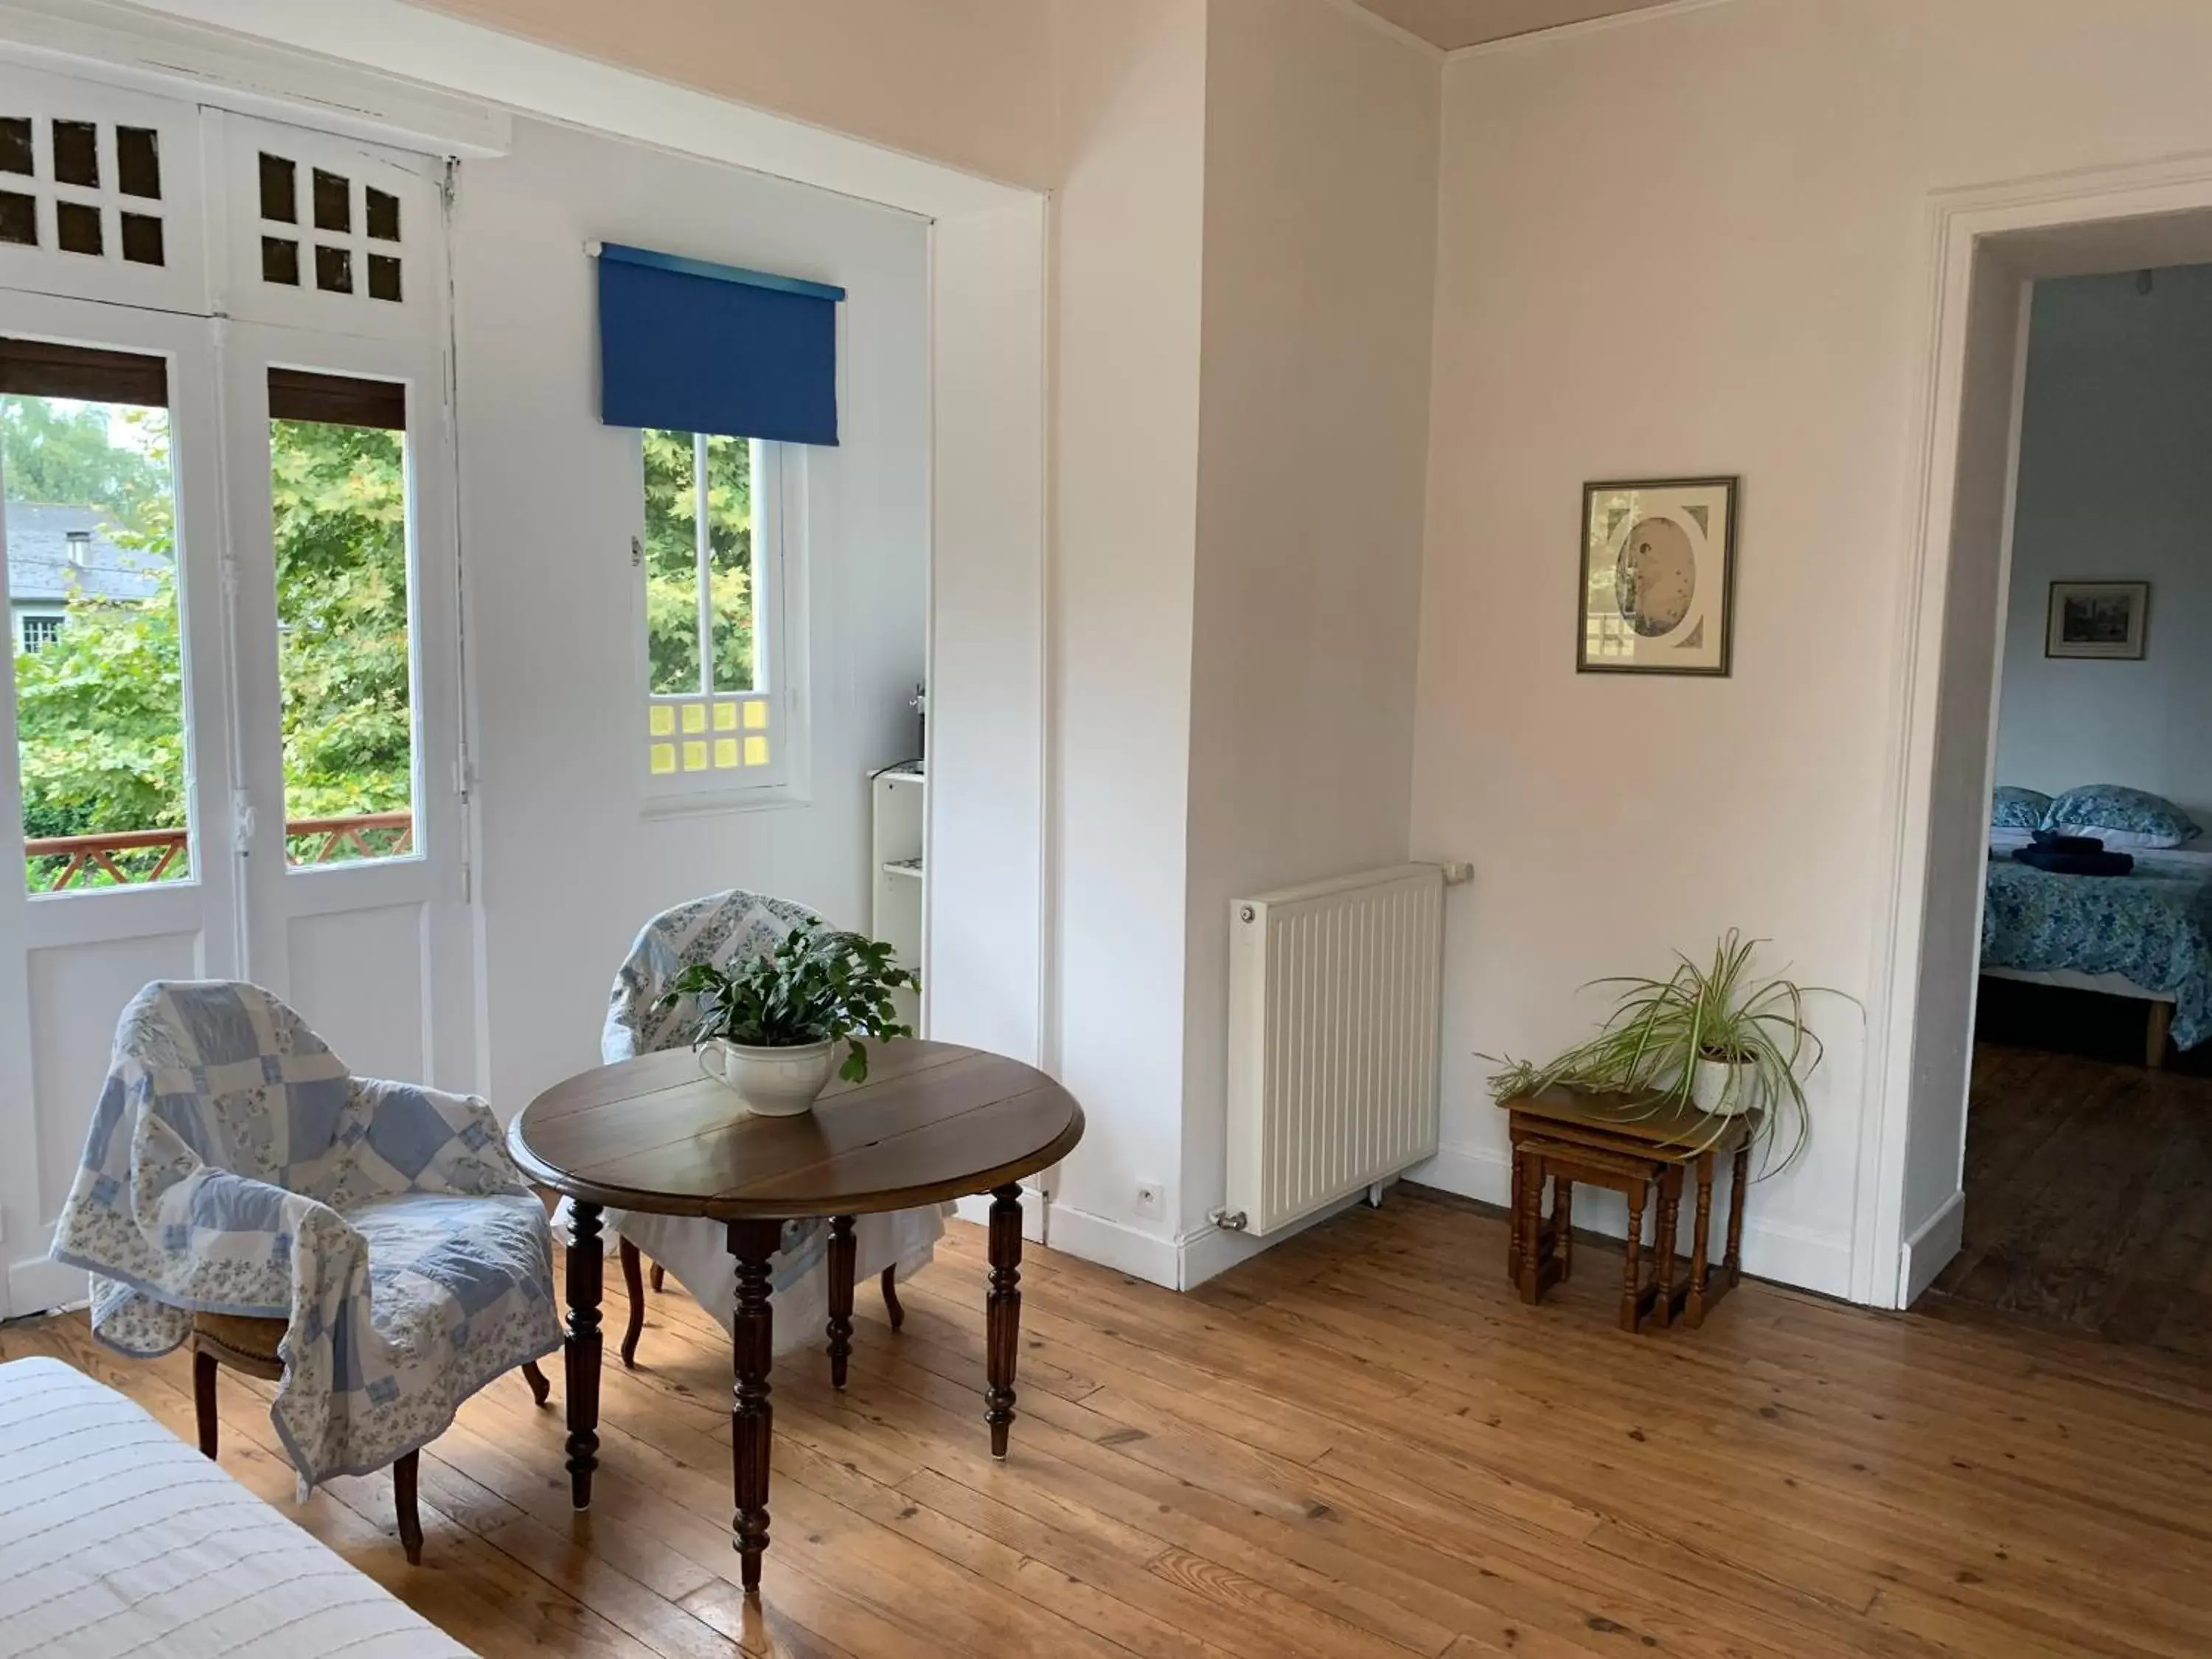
[
  {"x": 1701, "y": 1246},
  {"x": 2159, "y": 1025},
  {"x": 1563, "y": 1225},
  {"x": 1670, "y": 1210},
  {"x": 634, "y": 1288},
  {"x": 1631, "y": 1283},
  {"x": 1739, "y": 1178},
  {"x": 752, "y": 1344},
  {"x": 405, "y": 1476},
  {"x": 1003, "y": 1312},
  {"x": 842, "y": 1260},
  {"x": 581, "y": 1357},
  {"x": 1529, "y": 1167}
]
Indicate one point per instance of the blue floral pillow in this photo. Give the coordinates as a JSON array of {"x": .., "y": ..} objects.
[
  {"x": 2018, "y": 809},
  {"x": 2121, "y": 818}
]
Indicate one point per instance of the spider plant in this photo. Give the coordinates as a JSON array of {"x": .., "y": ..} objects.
[{"x": 1718, "y": 1010}]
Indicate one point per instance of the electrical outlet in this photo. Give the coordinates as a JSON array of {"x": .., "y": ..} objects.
[{"x": 1148, "y": 1200}]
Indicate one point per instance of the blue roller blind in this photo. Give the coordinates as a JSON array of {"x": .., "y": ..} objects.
[{"x": 693, "y": 347}]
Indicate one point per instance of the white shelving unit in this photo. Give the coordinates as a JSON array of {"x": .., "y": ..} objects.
[{"x": 900, "y": 799}]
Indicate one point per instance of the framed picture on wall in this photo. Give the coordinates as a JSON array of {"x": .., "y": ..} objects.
[
  {"x": 2096, "y": 619},
  {"x": 1658, "y": 577}
]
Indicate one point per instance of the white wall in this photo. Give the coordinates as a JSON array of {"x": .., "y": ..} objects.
[
  {"x": 1128, "y": 229},
  {"x": 1320, "y": 210},
  {"x": 570, "y": 862},
  {"x": 1699, "y": 243},
  {"x": 2115, "y": 485}
]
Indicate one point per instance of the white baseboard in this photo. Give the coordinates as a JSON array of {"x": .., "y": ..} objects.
[
  {"x": 976, "y": 1207},
  {"x": 1779, "y": 1250},
  {"x": 1150, "y": 1256},
  {"x": 36, "y": 1284},
  {"x": 1180, "y": 1264},
  {"x": 1931, "y": 1246},
  {"x": 1212, "y": 1251}
]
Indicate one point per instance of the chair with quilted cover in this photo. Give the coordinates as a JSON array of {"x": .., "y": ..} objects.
[
  {"x": 368, "y": 1246},
  {"x": 812, "y": 1277}
]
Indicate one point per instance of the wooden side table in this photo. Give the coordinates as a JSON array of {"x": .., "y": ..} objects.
[{"x": 1635, "y": 1144}]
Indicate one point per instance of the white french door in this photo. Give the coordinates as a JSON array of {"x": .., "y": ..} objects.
[{"x": 231, "y": 740}]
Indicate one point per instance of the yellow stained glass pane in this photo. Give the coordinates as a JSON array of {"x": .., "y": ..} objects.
[
  {"x": 695, "y": 717},
  {"x": 756, "y": 751},
  {"x": 755, "y": 717},
  {"x": 664, "y": 758},
  {"x": 663, "y": 719},
  {"x": 725, "y": 753},
  {"x": 725, "y": 717},
  {"x": 694, "y": 756}
]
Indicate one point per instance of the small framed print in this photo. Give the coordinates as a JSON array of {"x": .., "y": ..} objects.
[
  {"x": 1658, "y": 568},
  {"x": 2096, "y": 619}
]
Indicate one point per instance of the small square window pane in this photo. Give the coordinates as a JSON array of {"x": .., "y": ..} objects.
[
  {"x": 755, "y": 717},
  {"x": 695, "y": 717},
  {"x": 725, "y": 717},
  {"x": 333, "y": 202},
  {"x": 76, "y": 154},
  {"x": 333, "y": 269},
  {"x": 16, "y": 145},
  {"x": 664, "y": 758},
  {"x": 661, "y": 720},
  {"x": 77, "y": 228},
  {"x": 384, "y": 277},
  {"x": 383, "y": 215},
  {"x": 694, "y": 756},
  {"x": 756, "y": 751},
  {"x": 280, "y": 190},
  {"x": 138, "y": 162},
  {"x": 280, "y": 261},
  {"x": 19, "y": 218},
  {"x": 725, "y": 753},
  {"x": 142, "y": 239}
]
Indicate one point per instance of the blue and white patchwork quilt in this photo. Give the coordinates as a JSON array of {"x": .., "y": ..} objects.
[
  {"x": 233, "y": 1166},
  {"x": 2153, "y": 928}
]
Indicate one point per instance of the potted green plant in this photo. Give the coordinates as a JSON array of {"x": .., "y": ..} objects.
[
  {"x": 1714, "y": 1035},
  {"x": 769, "y": 1027}
]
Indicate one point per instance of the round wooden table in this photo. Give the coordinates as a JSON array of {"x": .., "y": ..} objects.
[{"x": 932, "y": 1122}]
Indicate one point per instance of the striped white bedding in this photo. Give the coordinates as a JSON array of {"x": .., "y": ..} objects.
[{"x": 117, "y": 1538}]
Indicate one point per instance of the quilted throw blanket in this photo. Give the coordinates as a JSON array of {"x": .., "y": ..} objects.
[
  {"x": 2153, "y": 928},
  {"x": 233, "y": 1166},
  {"x": 722, "y": 929}
]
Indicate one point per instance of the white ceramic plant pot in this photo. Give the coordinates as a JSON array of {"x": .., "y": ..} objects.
[
  {"x": 773, "y": 1082},
  {"x": 1722, "y": 1087}
]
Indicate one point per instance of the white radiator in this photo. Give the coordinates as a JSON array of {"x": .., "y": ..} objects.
[{"x": 1333, "y": 1009}]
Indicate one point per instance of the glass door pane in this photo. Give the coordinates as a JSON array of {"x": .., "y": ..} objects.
[
  {"x": 338, "y": 478},
  {"x": 94, "y": 618}
]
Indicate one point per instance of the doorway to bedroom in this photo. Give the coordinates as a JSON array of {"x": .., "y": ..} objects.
[{"x": 2087, "y": 1173}]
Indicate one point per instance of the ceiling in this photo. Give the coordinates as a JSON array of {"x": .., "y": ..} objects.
[{"x": 1452, "y": 24}]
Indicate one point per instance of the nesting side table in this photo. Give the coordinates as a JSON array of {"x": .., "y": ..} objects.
[{"x": 1641, "y": 1146}]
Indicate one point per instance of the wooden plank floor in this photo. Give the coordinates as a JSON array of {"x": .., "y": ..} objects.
[
  {"x": 1358, "y": 1447},
  {"x": 2089, "y": 1198}
]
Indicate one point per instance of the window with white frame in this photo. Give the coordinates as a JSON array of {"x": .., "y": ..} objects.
[
  {"x": 712, "y": 559},
  {"x": 39, "y": 631}
]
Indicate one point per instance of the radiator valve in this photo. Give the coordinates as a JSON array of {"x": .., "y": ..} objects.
[{"x": 1228, "y": 1220}]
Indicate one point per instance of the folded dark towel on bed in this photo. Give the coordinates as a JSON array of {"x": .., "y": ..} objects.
[
  {"x": 2053, "y": 841},
  {"x": 2059, "y": 863}
]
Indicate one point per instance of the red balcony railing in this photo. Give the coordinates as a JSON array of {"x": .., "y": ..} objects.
[{"x": 132, "y": 858}]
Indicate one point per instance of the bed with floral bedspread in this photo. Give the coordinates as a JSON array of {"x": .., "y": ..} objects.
[{"x": 2152, "y": 927}]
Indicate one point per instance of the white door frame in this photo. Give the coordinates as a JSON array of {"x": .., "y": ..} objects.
[
  {"x": 1987, "y": 245},
  {"x": 206, "y": 907},
  {"x": 436, "y": 876}
]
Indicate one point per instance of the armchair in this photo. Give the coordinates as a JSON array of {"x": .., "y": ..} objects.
[{"x": 367, "y": 1245}]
